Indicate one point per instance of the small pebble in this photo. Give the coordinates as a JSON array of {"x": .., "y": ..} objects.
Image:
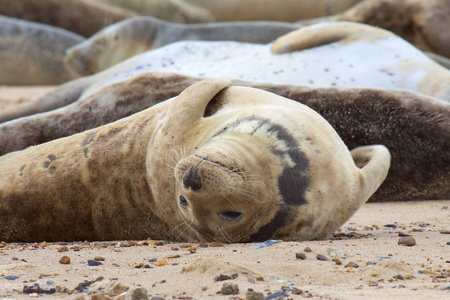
[
  {"x": 337, "y": 261},
  {"x": 222, "y": 277},
  {"x": 99, "y": 258},
  {"x": 65, "y": 260},
  {"x": 352, "y": 264},
  {"x": 2, "y": 244},
  {"x": 403, "y": 233},
  {"x": 390, "y": 226},
  {"x": 266, "y": 244},
  {"x": 49, "y": 282},
  {"x": 443, "y": 287},
  {"x": 407, "y": 241},
  {"x": 301, "y": 256},
  {"x": 335, "y": 253},
  {"x": 307, "y": 249},
  {"x": 35, "y": 288},
  {"x": 229, "y": 288},
  {"x": 321, "y": 257},
  {"x": 94, "y": 263},
  {"x": 204, "y": 287},
  {"x": 276, "y": 295},
  {"x": 100, "y": 297},
  {"x": 252, "y": 295},
  {"x": 136, "y": 293},
  {"x": 63, "y": 249},
  {"x": 11, "y": 277},
  {"x": 444, "y": 231},
  {"x": 15, "y": 258},
  {"x": 161, "y": 262}
]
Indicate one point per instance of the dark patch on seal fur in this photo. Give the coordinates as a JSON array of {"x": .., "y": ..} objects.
[
  {"x": 192, "y": 179},
  {"x": 294, "y": 181},
  {"x": 50, "y": 159},
  {"x": 21, "y": 170},
  {"x": 281, "y": 219},
  {"x": 89, "y": 138}
]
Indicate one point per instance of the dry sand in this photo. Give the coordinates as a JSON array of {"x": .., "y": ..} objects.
[{"x": 383, "y": 268}]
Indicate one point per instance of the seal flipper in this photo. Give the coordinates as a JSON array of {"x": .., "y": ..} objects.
[
  {"x": 374, "y": 162},
  {"x": 325, "y": 33},
  {"x": 66, "y": 94},
  {"x": 190, "y": 105}
]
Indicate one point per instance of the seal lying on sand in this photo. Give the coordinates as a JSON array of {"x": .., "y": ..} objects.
[
  {"x": 127, "y": 38},
  {"x": 425, "y": 24},
  {"x": 32, "y": 53},
  {"x": 215, "y": 163},
  {"x": 415, "y": 128},
  {"x": 79, "y": 16}
]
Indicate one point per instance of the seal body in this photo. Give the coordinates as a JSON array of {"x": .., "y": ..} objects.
[
  {"x": 83, "y": 17},
  {"x": 133, "y": 36},
  {"x": 32, "y": 53},
  {"x": 336, "y": 61},
  {"x": 423, "y": 23},
  {"x": 237, "y": 165}
]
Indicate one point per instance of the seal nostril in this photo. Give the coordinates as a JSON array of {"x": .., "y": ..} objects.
[
  {"x": 192, "y": 179},
  {"x": 183, "y": 201},
  {"x": 231, "y": 214}
]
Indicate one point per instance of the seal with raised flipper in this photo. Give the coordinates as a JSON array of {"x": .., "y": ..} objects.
[
  {"x": 423, "y": 23},
  {"x": 215, "y": 163},
  {"x": 127, "y": 38}
]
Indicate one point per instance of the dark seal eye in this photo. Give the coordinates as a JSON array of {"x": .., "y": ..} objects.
[
  {"x": 230, "y": 214},
  {"x": 183, "y": 201}
]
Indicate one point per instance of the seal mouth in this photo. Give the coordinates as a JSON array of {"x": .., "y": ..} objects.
[{"x": 204, "y": 236}]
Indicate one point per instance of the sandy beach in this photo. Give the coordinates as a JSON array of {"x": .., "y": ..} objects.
[{"x": 368, "y": 263}]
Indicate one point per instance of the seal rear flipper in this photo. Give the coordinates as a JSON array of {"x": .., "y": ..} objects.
[
  {"x": 66, "y": 94},
  {"x": 374, "y": 162},
  {"x": 325, "y": 33}
]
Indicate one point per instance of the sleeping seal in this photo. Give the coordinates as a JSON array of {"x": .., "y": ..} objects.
[{"x": 215, "y": 163}]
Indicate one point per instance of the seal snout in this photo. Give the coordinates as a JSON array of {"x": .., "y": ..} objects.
[{"x": 192, "y": 179}]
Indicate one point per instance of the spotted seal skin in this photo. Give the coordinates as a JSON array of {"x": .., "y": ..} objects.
[
  {"x": 127, "y": 38},
  {"x": 331, "y": 56},
  {"x": 215, "y": 163},
  {"x": 423, "y": 23},
  {"x": 32, "y": 53}
]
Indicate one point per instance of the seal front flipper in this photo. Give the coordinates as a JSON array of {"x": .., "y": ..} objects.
[
  {"x": 373, "y": 163},
  {"x": 190, "y": 105},
  {"x": 325, "y": 33}
]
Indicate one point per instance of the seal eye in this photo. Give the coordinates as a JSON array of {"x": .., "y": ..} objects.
[
  {"x": 230, "y": 214},
  {"x": 183, "y": 201}
]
